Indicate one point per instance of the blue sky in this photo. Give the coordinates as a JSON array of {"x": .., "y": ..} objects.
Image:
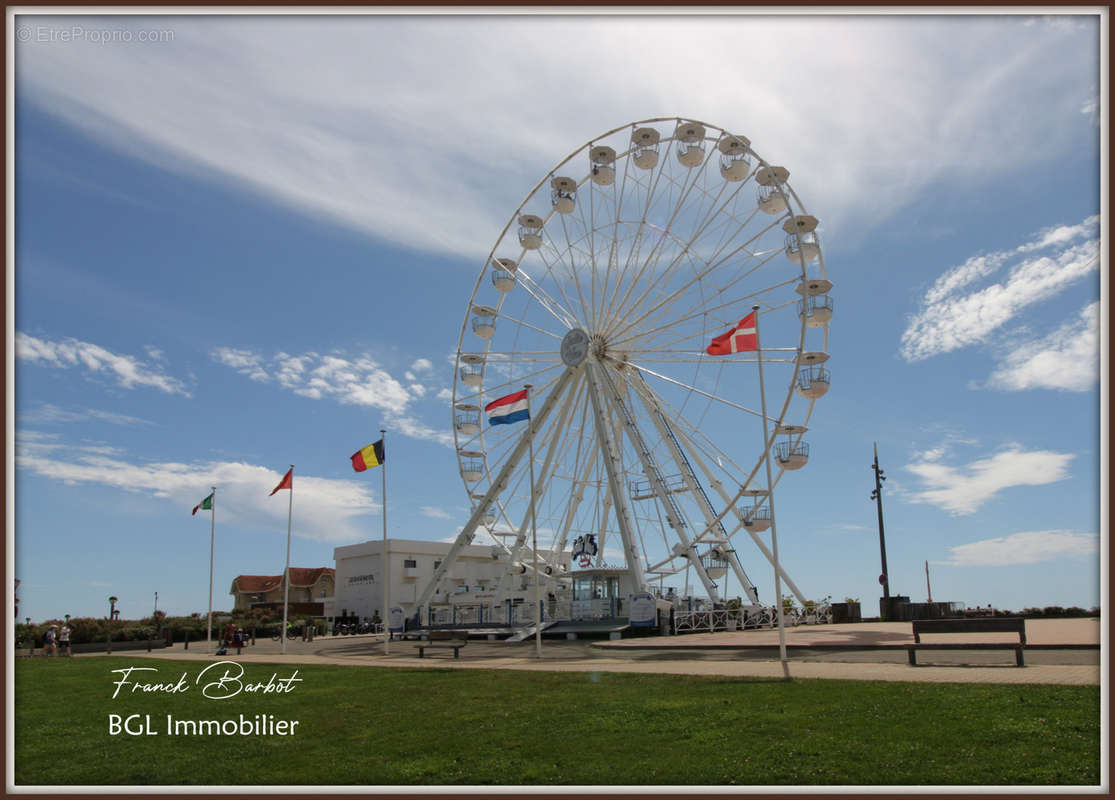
[{"x": 252, "y": 242}]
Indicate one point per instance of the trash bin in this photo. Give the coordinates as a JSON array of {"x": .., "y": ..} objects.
[{"x": 846, "y": 612}]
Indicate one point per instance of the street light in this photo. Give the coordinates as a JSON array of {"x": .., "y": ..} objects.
[
  {"x": 112, "y": 607},
  {"x": 877, "y": 496}
]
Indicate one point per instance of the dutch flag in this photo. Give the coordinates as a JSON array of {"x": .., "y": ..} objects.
[{"x": 505, "y": 410}]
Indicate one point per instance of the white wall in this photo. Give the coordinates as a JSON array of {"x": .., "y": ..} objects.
[{"x": 359, "y": 582}]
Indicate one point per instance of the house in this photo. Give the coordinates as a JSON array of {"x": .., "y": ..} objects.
[{"x": 310, "y": 589}]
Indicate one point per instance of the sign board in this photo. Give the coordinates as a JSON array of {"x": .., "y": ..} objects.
[
  {"x": 395, "y": 620},
  {"x": 643, "y": 610}
]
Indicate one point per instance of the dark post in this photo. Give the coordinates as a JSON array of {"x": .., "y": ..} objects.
[{"x": 877, "y": 496}]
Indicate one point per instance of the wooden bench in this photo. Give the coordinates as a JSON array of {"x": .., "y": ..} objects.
[
  {"x": 454, "y": 640},
  {"x": 968, "y": 625}
]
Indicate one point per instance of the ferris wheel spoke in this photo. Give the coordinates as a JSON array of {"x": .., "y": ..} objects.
[
  {"x": 555, "y": 309},
  {"x": 686, "y": 187},
  {"x": 514, "y": 320},
  {"x": 549, "y": 274},
  {"x": 616, "y": 206},
  {"x": 688, "y": 245},
  {"x": 675, "y": 294},
  {"x": 648, "y": 192},
  {"x": 666, "y": 319},
  {"x": 700, "y": 275},
  {"x": 560, "y": 268},
  {"x": 693, "y": 389}
]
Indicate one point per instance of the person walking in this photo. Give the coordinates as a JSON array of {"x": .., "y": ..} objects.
[
  {"x": 50, "y": 639},
  {"x": 64, "y": 639}
]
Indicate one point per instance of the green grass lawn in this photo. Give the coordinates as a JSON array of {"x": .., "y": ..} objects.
[{"x": 368, "y": 726}]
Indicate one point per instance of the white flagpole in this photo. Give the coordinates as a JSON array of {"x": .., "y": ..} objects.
[
  {"x": 770, "y": 499},
  {"x": 212, "y": 538},
  {"x": 534, "y": 538},
  {"x": 286, "y": 570},
  {"x": 383, "y": 566}
]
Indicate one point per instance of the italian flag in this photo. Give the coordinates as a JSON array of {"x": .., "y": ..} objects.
[{"x": 205, "y": 505}]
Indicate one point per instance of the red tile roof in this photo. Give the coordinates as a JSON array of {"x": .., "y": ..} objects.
[
  {"x": 305, "y": 576},
  {"x": 299, "y": 576}
]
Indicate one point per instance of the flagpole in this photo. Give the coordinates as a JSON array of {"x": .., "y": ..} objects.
[
  {"x": 286, "y": 570},
  {"x": 534, "y": 537},
  {"x": 212, "y": 538},
  {"x": 770, "y": 502},
  {"x": 383, "y": 566}
]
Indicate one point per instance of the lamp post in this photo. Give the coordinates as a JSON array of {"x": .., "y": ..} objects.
[
  {"x": 112, "y": 607},
  {"x": 877, "y": 496}
]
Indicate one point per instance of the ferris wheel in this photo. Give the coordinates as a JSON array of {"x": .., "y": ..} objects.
[{"x": 604, "y": 293}]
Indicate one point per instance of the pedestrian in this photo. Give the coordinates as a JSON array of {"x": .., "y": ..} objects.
[
  {"x": 50, "y": 638},
  {"x": 64, "y": 639}
]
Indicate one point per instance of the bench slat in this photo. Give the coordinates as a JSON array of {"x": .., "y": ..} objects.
[{"x": 977, "y": 625}]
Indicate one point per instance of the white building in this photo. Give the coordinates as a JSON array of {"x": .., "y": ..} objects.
[{"x": 472, "y": 583}]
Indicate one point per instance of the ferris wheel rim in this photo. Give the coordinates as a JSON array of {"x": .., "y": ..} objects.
[{"x": 570, "y": 322}]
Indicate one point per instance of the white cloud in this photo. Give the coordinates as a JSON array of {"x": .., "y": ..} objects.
[
  {"x": 1067, "y": 359},
  {"x": 269, "y": 102},
  {"x": 949, "y": 320},
  {"x": 243, "y": 361},
  {"x": 408, "y": 426},
  {"x": 933, "y": 454},
  {"x": 435, "y": 513},
  {"x": 422, "y": 365},
  {"x": 358, "y": 381},
  {"x": 128, "y": 371},
  {"x": 445, "y": 395},
  {"x": 1031, "y": 547},
  {"x": 48, "y": 413},
  {"x": 325, "y": 509},
  {"x": 962, "y": 490},
  {"x": 1060, "y": 235}
]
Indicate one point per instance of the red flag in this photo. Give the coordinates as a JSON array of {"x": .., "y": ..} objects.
[
  {"x": 286, "y": 483},
  {"x": 739, "y": 339}
]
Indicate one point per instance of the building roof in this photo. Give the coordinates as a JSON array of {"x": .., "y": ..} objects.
[{"x": 299, "y": 576}]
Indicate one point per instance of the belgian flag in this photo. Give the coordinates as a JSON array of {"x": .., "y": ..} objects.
[{"x": 370, "y": 456}]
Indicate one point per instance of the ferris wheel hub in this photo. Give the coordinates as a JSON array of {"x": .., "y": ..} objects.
[{"x": 574, "y": 347}]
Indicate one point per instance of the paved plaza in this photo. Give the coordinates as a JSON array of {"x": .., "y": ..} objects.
[{"x": 1058, "y": 652}]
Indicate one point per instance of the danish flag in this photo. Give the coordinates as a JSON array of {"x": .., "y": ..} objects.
[{"x": 739, "y": 339}]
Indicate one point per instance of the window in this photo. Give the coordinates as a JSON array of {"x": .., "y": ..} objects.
[
  {"x": 410, "y": 563},
  {"x": 437, "y": 563}
]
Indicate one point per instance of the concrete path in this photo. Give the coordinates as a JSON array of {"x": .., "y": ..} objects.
[{"x": 720, "y": 654}]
